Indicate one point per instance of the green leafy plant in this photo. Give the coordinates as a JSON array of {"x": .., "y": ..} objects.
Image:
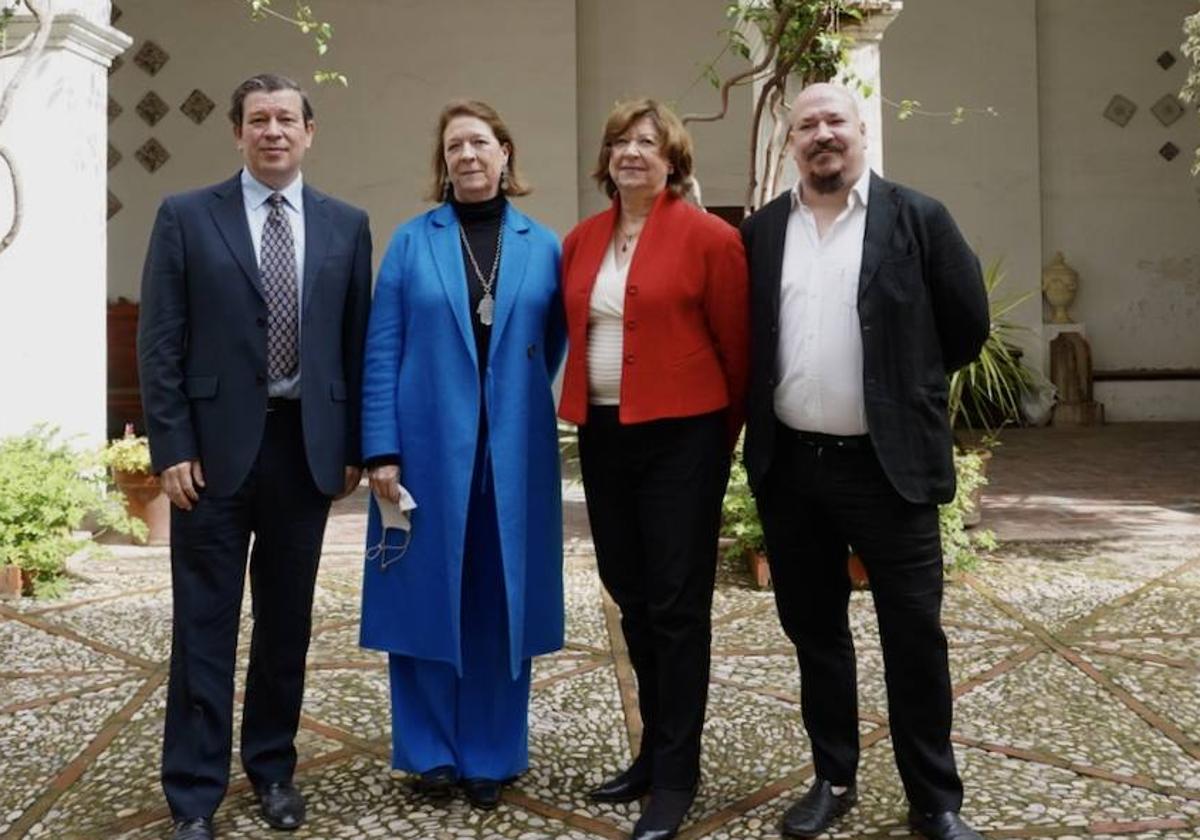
[
  {"x": 962, "y": 548},
  {"x": 739, "y": 515},
  {"x": 305, "y": 19},
  {"x": 986, "y": 394},
  {"x": 47, "y": 489},
  {"x": 128, "y": 454}
]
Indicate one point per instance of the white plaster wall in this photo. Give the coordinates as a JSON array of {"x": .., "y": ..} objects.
[
  {"x": 374, "y": 139},
  {"x": 987, "y": 170},
  {"x": 1127, "y": 220}
]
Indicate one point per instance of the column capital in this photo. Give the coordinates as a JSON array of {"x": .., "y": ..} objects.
[
  {"x": 878, "y": 16},
  {"x": 76, "y": 33}
]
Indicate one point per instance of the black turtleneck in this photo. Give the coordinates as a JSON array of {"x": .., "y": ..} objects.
[{"x": 481, "y": 222}]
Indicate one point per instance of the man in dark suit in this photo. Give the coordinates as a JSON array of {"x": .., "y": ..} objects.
[
  {"x": 254, "y": 309},
  {"x": 864, "y": 296}
]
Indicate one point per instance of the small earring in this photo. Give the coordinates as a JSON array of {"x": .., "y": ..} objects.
[
  {"x": 447, "y": 190},
  {"x": 504, "y": 179}
]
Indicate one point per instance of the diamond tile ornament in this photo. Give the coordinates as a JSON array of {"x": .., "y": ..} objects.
[
  {"x": 197, "y": 106},
  {"x": 114, "y": 109},
  {"x": 152, "y": 155},
  {"x": 114, "y": 156},
  {"x": 151, "y": 108},
  {"x": 151, "y": 57},
  {"x": 1169, "y": 151},
  {"x": 114, "y": 205},
  {"x": 1168, "y": 109},
  {"x": 1165, "y": 59},
  {"x": 116, "y": 64},
  {"x": 1120, "y": 110}
]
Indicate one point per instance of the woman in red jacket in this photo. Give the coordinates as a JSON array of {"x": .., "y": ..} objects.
[{"x": 656, "y": 298}]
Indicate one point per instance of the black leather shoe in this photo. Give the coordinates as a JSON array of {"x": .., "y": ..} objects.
[
  {"x": 281, "y": 805},
  {"x": 193, "y": 828},
  {"x": 632, "y": 783},
  {"x": 437, "y": 783},
  {"x": 664, "y": 814},
  {"x": 944, "y": 826},
  {"x": 482, "y": 793},
  {"x": 818, "y": 809}
]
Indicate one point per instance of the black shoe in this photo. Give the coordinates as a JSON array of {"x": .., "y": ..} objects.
[
  {"x": 664, "y": 814},
  {"x": 193, "y": 828},
  {"x": 626, "y": 786},
  {"x": 482, "y": 793},
  {"x": 818, "y": 809},
  {"x": 281, "y": 805},
  {"x": 437, "y": 783},
  {"x": 944, "y": 826}
]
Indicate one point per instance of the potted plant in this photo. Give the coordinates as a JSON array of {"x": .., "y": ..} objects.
[
  {"x": 128, "y": 458},
  {"x": 740, "y": 525}
]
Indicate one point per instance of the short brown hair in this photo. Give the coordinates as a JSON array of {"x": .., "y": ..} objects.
[
  {"x": 675, "y": 140},
  {"x": 515, "y": 185},
  {"x": 266, "y": 83}
]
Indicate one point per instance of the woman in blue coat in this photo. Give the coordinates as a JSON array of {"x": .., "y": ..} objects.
[{"x": 465, "y": 336}]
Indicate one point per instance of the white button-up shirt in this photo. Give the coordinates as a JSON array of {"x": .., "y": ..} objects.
[
  {"x": 820, "y": 363},
  {"x": 255, "y": 194}
]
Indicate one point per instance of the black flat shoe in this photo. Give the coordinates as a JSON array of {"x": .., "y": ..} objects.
[
  {"x": 944, "y": 826},
  {"x": 664, "y": 814},
  {"x": 482, "y": 793},
  {"x": 193, "y": 828},
  {"x": 437, "y": 783},
  {"x": 628, "y": 785},
  {"x": 281, "y": 805},
  {"x": 818, "y": 809}
]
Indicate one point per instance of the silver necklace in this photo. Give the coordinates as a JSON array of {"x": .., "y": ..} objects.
[{"x": 487, "y": 304}]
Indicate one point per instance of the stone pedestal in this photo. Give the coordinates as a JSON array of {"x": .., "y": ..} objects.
[
  {"x": 1071, "y": 373},
  {"x": 53, "y": 277}
]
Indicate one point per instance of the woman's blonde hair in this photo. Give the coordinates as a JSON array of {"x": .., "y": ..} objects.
[{"x": 514, "y": 184}]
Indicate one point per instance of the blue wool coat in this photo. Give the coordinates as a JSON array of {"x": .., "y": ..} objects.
[{"x": 421, "y": 399}]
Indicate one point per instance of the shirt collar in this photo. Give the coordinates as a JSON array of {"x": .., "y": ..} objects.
[
  {"x": 257, "y": 193},
  {"x": 861, "y": 190}
]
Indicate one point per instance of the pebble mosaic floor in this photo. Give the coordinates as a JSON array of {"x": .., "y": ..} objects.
[{"x": 1076, "y": 668}]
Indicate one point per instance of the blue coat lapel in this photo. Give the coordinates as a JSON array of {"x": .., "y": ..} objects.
[
  {"x": 316, "y": 240},
  {"x": 447, "y": 256},
  {"x": 229, "y": 214},
  {"x": 514, "y": 256}
]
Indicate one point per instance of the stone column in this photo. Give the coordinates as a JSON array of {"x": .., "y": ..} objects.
[
  {"x": 53, "y": 277},
  {"x": 864, "y": 64}
]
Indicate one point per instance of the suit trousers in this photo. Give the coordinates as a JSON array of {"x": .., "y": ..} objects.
[
  {"x": 280, "y": 505},
  {"x": 817, "y": 499},
  {"x": 654, "y": 494}
]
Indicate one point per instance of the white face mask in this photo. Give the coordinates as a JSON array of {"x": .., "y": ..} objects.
[{"x": 394, "y": 518}]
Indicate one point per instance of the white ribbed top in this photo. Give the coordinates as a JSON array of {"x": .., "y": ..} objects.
[{"x": 606, "y": 331}]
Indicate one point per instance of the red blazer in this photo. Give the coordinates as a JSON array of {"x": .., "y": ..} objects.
[{"x": 686, "y": 342}]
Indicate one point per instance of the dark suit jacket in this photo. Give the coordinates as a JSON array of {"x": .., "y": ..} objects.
[
  {"x": 202, "y": 336},
  {"x": 923, "y": 312}
]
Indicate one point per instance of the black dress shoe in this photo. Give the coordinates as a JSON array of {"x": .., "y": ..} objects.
[
  {"x": 817, "y": 810},
  {"x": 632, "y": 783},
  {"x": 281, "y": 805},
  {"x": 437, "y": 783},
  {"x": 944, "y": 826},
  {"x": 664, "y": 813},
  {"x": 193, "y": 828},
  {"x": 482, "y": 793}
]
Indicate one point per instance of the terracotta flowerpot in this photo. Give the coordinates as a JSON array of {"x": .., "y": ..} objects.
[
  {"x": 12, "y": 582},
  {"x": 857, "y": 572},
  {"x": 145, "y": 500},
  {"x": 760, "y": 570},
  {"x": 970, "y": 520}
]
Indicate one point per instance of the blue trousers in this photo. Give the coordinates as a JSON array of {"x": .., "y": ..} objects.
[{"x": 479, "y": 723}]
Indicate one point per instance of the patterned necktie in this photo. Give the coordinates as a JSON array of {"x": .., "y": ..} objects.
[{"x": 277, "y": 264}]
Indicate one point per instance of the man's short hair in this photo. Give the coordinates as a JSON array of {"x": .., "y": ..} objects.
[{"x": 266, "y": 83}]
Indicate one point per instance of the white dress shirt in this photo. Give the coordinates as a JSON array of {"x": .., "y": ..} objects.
[
  {"x": 255, "y": 194},
  {"x": 820, "y": 387},
  {"x": 606, "y": 331}
]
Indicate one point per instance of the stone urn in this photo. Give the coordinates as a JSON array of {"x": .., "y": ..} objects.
[
  {"x": 146, "y": 500},
  {"x": 1060, "y": 282}
]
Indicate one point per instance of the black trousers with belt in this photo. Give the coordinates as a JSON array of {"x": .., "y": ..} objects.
[
  {"x": 821, "y": 495},
  {"x": 654, "y": 495},
  {"x": 279, "y": 505}
]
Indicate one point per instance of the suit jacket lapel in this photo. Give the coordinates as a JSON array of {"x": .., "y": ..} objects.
[
  {"x": 775, "y": 229},
  {"x": 514, "y": 256},
  {"x": 882, "y": 210},
  {"x": 229, "y": 214},
  {"x": 447, "y": 256},
  {"x": 316, "y": 240}
]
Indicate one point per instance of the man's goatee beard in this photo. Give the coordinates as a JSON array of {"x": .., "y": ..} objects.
[{"x": 827, "y": 184}]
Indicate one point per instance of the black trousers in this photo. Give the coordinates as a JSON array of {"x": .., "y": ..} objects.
[
  {"x": 654, "y": 495},
  {"x": 281, "y": 506},
  {"x": 818, "y": 498}
]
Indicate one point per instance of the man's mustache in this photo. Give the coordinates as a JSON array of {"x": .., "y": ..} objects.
[{"x": 825, "y": 146}]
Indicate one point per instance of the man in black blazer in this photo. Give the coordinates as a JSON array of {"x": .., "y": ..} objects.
[
  {"x": 253, "y": 316},
  {"x": 864, "y": 296}
]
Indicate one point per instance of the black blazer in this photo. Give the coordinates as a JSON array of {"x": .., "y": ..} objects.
[
  {"x": 924, "y": 314},
  {"x": 202, "y": 336}
]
